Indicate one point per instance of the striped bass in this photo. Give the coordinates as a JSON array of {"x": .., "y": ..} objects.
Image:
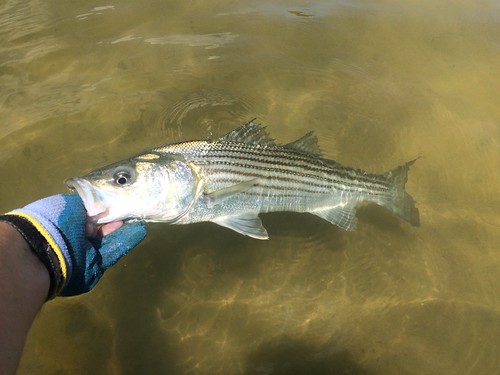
[{"x": 231, "y": 180}]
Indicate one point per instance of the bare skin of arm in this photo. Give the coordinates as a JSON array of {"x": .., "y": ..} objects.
[{"x": 24, "y": 284}]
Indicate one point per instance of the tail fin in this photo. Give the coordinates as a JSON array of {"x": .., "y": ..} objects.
[{"x": 398, "y": 200}]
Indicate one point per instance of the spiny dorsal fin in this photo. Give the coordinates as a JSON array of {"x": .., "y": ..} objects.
[
  {"x": 250, "y": 133},
  {"x": 308, "y": 143}
]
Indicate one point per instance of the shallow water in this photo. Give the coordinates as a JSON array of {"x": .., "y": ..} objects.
[{"x": 84, "y": 83}]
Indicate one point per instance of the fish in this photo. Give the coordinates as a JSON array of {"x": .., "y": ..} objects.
[{"x": 234, "y": 178}]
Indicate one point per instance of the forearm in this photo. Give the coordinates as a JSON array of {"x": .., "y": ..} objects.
[
  {"x": 24, "y": 284},
  {"x": 57, "y": 254}
]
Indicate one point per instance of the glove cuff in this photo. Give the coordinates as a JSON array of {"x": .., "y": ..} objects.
[{"x": 43, "y": 245}]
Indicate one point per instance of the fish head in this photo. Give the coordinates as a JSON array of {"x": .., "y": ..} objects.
[{"x": 147, "y": 187}]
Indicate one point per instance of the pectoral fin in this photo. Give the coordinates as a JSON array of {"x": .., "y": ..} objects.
[
  {"x": 218, "y": 196},
  {"x": 342, "y": 216},
  {"x": 246, "y": 224}
]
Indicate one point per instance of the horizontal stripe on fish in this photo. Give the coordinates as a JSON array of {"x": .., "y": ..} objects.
[
  {"x": 330, "y": 180},
  {"x": 285, "y": 181},
  {"x": 277, "y": 185},
  {"x": 290, "y": 161}
]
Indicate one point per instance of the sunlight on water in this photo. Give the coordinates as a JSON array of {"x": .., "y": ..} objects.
[{"x": 84, "y": 84}]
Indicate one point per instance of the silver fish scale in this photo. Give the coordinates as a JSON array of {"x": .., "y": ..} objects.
[{"x": 285, "y": 179}]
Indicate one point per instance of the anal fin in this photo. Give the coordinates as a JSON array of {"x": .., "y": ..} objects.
[
  {"x": 247, "y": 224},
  {"x": 342, "y": 216}
]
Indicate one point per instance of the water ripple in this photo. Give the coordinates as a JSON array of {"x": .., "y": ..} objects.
[{"x": 205, "y": 113}]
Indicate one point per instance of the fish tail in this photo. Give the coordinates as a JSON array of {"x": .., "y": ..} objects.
[{"x": 398, "y": 200}]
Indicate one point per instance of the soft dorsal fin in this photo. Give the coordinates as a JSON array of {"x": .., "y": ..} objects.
[
  {"x": 308, "y": 143},
  {"x": 250, "y": 133}
]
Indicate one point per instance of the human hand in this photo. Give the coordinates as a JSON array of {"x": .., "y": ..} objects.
[{"x": 79, "y": 252}]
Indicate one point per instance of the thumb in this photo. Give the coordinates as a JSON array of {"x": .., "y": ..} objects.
[{"x": 119, "y": 242}]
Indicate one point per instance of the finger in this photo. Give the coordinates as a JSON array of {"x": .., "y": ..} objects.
[
  {"x": 109, "y": 228},
  {"x": 91, "y": 229},
  {"x": 120, "y": 242}
]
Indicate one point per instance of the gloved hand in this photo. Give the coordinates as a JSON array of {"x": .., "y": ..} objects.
[{"x": 55, "y": 228}]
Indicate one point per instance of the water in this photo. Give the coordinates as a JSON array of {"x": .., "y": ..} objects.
[{"x": 85, "y": 83}]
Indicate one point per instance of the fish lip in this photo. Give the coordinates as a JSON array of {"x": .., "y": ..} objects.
[{"x": 96, "y": 209}]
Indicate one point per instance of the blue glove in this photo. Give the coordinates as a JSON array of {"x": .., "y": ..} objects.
[{"x": 75, "y": 262}]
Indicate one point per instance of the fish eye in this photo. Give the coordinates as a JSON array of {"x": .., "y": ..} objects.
[{"x": 122, "y": 178}]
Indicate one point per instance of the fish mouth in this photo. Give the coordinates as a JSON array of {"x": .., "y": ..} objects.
[{"x": 96, "y": 209}]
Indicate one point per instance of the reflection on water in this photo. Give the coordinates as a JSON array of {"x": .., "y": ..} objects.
[{"x": 85, "y": 83}]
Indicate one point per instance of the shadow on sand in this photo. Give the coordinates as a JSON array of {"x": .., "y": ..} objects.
[{"x": 286, "y": 356}]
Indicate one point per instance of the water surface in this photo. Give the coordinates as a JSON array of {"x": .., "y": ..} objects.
[{"x": 84, "y": 83}]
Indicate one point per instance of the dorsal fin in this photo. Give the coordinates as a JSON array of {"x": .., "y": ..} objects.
[
  {"x": 250, "y": 133},
  {"x": 308, "y": 143}
]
